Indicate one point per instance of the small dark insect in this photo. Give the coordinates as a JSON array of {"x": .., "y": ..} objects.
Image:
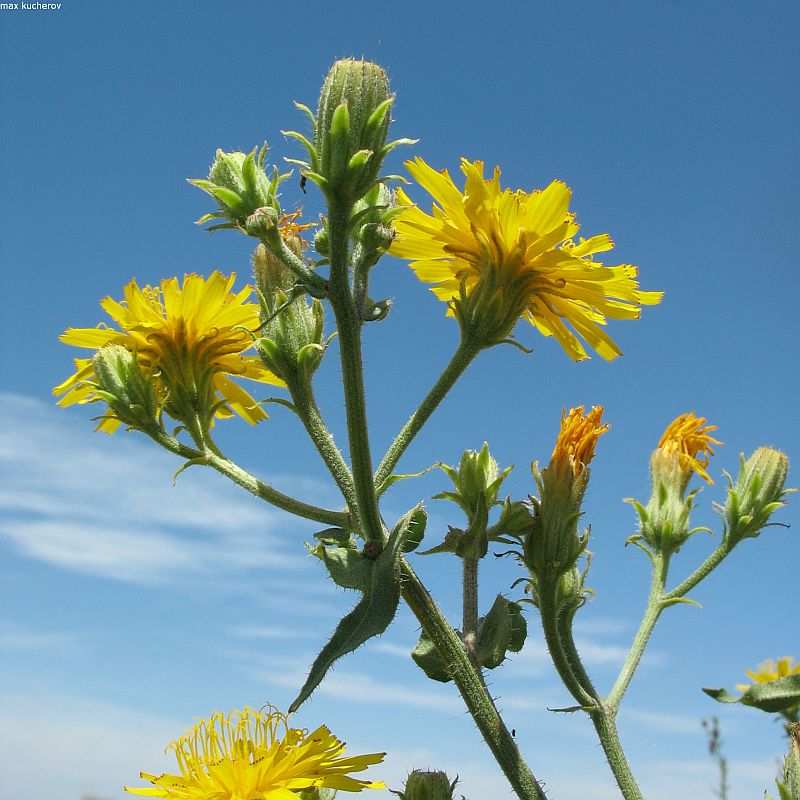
[{"x": 303, "y": 180}]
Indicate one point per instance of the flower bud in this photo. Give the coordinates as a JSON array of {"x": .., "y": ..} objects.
[
  {"x": 239, "y": 184},
  {"x": 428, "y": 785},
  {"x": 758, "y": 492},
  {"x": 683, "y": 450},
  {"x": 351, "y": 126},
  {"x": 791, "y": 767},
  {"x": 476, "y": 484},
  {"x": 291, "y": 343},
  {"x": 553, "y": 543},
  {"x": 130, "y": 395}
]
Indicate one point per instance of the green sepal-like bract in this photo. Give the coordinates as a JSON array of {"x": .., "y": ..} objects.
[
  {"x": 427, "y": 785},
  {"x": 129, "y": 393},
  {"x": 242, "y": 189},
  {"x": 756, "y": 495}
]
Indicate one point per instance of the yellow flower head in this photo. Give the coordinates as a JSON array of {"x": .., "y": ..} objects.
[
  {"x": 255, "y": 755},
  {"x": 522, "y": 245},
  {"x": 688, "y": 436},
  {"x": 769, "y": 671},
  {"x": 578, "y": 438},
  {"x": 189, "y": 339}
]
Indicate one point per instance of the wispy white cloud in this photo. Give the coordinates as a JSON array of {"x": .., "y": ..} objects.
[
  {"x": 105, "y": 506},
  {"x": 14, "y": 638}
]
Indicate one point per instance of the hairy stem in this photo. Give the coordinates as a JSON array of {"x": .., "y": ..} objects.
[
  {"x": 469, "y": 616},
  {"x": 606, "y": 728},
  {"x": 701, "y": 572},
  {"x": 470, "y": 684},
  {"x": 348, "y": 325},
  {"x": 308, "y": 411},
  {"x": 562, "y": 659},
  {"x": 461, "y": 359},
  {"x": 251, "y": 483},
  {"x": 655, "y": 605}
]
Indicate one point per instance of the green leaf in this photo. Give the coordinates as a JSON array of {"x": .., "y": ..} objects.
[
  {"x": 347, "y": 567},
  {"x": 372, "y": 615},
  {"x": 392, "y": 479},
  {"x": 335, "y": 536},
  {"x": 772, "y": 696},
  {"x": 428, "y": 659},
  {"x": 411, "y": 526},
  {"x": 502, "y": 629}
]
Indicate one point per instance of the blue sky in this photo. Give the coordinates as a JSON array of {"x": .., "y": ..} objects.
[{"x": 131, "y": 607}]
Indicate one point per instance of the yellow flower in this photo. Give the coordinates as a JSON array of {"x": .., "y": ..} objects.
[
  {"x": 770, "y": 670},
  {"x": 255, "y": 755},
  {"x": 189, "y": 339},
  {"x": 578, "y": 438},
  {"x": 688, "y": 436},
  {"x": 522, "y": 245}
]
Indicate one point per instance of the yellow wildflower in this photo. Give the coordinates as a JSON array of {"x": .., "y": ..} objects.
[
  {"x": 769, "y": 671},
  {"x": 688, "y": 436},
  {"x": 578, "y": 437},
  {"x": 255, "y": 755},
  {"x": 522, "y": 246},
  {"x": 190, "y": 339}
]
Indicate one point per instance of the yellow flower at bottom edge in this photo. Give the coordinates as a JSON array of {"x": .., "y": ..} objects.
[
  {"x": 688, "y": 436},
  {"x": 769, "y": 671},
  {"x": 255, "y": 755},
  {"x": 521, "y": 245},
  {"x": 189, "y": 339}
]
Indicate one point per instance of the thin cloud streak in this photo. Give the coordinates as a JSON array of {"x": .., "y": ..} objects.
[{"x": 105, "y": 507}]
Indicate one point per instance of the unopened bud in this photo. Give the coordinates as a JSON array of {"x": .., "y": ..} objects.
[
  {"x": 757, "y": 493},
  {"x": 351, "y": 126},
  {"x": 428, "y": 785}
]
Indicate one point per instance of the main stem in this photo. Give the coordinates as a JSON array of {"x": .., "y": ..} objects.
[
  {"x": 471, "y": 687},
  {"x": 348, "y": 326},
  {"x": 466, "y": 677},
  {"x": 606, "y": 728}
]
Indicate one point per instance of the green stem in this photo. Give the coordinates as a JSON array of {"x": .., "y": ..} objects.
[
  {"x": 348, "y": 325},
  {"x": 655, "y": 605},
  {"x": 571, "y": 653},
  {"x": 603, "y": 721},
  {"x": 471, "y": 687},
  {"x": 251, "y": 483},
  {"x": 562, "y": 659},
  {"x": 701, "y": 572},
  {"x": 469, "y": 616},
  {"x": 308, "y": 411},
  {"x": 461, "y": 359}
]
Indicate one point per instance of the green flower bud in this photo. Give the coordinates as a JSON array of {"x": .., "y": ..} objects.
[
  {"x": 121, "y": 383},
  {"x": 428, "y": 785},
  {"x": 791, "y": 769},
  {"x": 351, "y": 126},
  {"x": 757, "y": 494},
  {"x": 476, "y": 484},
  {"x": 292, "y": 342},
  {"x": 239, "y": 184}
]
